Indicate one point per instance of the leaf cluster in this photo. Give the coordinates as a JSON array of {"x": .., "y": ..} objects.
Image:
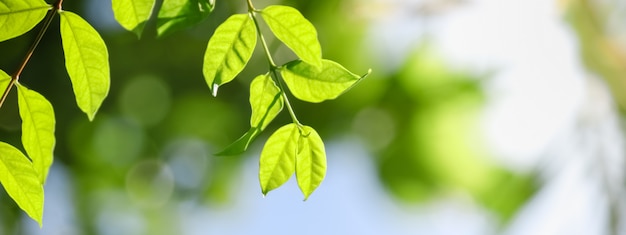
[
  {"x": 87, "y": 64},
  {"x": 293, "y": 148}
]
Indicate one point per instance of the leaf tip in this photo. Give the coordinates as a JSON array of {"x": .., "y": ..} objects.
[
  {"x": 214, "y": 90},
  {"x": 227, "y": 152},
  {"x": 91, "y": 116}
]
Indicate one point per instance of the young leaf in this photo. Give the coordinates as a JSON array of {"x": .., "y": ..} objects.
[
  {"x": 37, "y": 129},
  {"x": 132, "y": 14},
  {"x": 278, "y": 158},
  {"x": 87, "y": 62},
  {"x": 4, "y": 81},
  {"x": 316, "y": 85},
  {"x": 19, "y": 16},
  {"x": 20, "y": 181},
  {"x": 179, "y": 14},
  {"x": 295, "y": 31},
  {"x": 229, "y": 50},
  {"x": 310, "y": 161},
  {"x": 266, "y": 103}
]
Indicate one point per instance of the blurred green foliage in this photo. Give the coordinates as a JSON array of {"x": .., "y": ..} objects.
[{"x": 419, "y": 122}]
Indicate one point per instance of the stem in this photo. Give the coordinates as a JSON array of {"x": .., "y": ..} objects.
[
  {"x": 16, "y": 76},
  {"x": 250, "y": 6},
  {"x": 252, "y": 12},
  {"x": 265, "y": 47},
  {"x": 286, "y": 99}
]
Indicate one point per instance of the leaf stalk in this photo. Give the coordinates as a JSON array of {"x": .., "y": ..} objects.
[{"x": 273, "y": 67}]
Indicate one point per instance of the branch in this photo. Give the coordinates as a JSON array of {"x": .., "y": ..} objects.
[{"x": 16, "y": 76}]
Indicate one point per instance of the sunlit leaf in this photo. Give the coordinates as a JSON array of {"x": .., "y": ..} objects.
[
  {"x": 37, "y": 129},
  {"x": 310, "y": 161},
  {"x": 132, "y": 14},
  {"x": 278, "y": 158},
  {"x": 179, "y": 14},
  {"x": 265, "y": 100},
  {"x": 229, "y": 50},
  {"x": 20, "y": 181},
  {"x": 19, "y": 16},
  {"x": 295, "y": 31},
  {"x": 87, "y": 62},
  {"x": 5, "y": 79},
  {"x": 311, "y": 84},
  {"x": 266, "y": 103}
]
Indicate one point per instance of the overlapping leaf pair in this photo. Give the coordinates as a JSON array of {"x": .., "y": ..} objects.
[
  {"x": 293, "y": 148},
  {"x": 173, "y": 15},
  {"x": 86, "y": 60}
]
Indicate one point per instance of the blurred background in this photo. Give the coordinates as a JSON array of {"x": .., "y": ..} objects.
[{"x": 480, "y": 117}]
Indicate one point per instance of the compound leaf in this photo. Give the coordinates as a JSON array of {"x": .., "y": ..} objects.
[
  {"x": 310, "y": 161},
  {"x": 295, "y": 31},
  {"x": 132, "y": 14},
  {"x": 312, "y": 84},
  {"x": 179, "y": 14},
  {"x": 229, "y": 50},
  {"x": 87, "y": 62},
  {"x": 278, "y": 158},
  {"x": 37, "y": 129},
  {"x": 19, "y": 16},
  {"x": 20, "y": 181},
  {"x": 266, "y": 103}
]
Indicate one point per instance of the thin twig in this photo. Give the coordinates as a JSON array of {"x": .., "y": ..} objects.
[{"x": 16, "y": 76}]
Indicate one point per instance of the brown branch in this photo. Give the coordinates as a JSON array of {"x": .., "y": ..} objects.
[{"x": 16, "y": 76}]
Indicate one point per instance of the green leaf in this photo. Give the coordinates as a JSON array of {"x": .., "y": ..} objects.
[
  {"x": 266, "y": 103},
  {"x": 5, "y": 79},
  {"x": 229, "y": 50},
  {"x": 87, "y": 62},
  {"x": 20, "y": 181},
  {"x": 278, "y": 158},
  {"x": 240, "y": 145},
  {"x": 295, "y": 31},
  {"x": 37, "y": 129},
  {"x": 19, "y": 16},
  {"x": 315, "y": 85},
  {"x": 310, "y": 161},
  {"x": 132, "y": 14},
  {"x": 179, "y": 14}
]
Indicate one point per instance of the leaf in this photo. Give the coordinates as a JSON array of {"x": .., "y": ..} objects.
[
  {"x": 229, "y": 50},
  {"x": 87, "y": 62},
  {"x": 316, "y": 85},
  {"x": 5, "y": 79},
  {"x": 310, "y": 161},
  {"x": 295, "y": 31},
  {"x": 37, "y": 129},
  {"x": 277, "y": 162},
  {"x": 179, "y": 14},
  {"x": 240, "y": 145},
  {"x": 266, "y": 103},
  {"x": 20, "y": 181},
  {"x": 19, "y": 16},
  {"x": 132, "y": 14}
]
